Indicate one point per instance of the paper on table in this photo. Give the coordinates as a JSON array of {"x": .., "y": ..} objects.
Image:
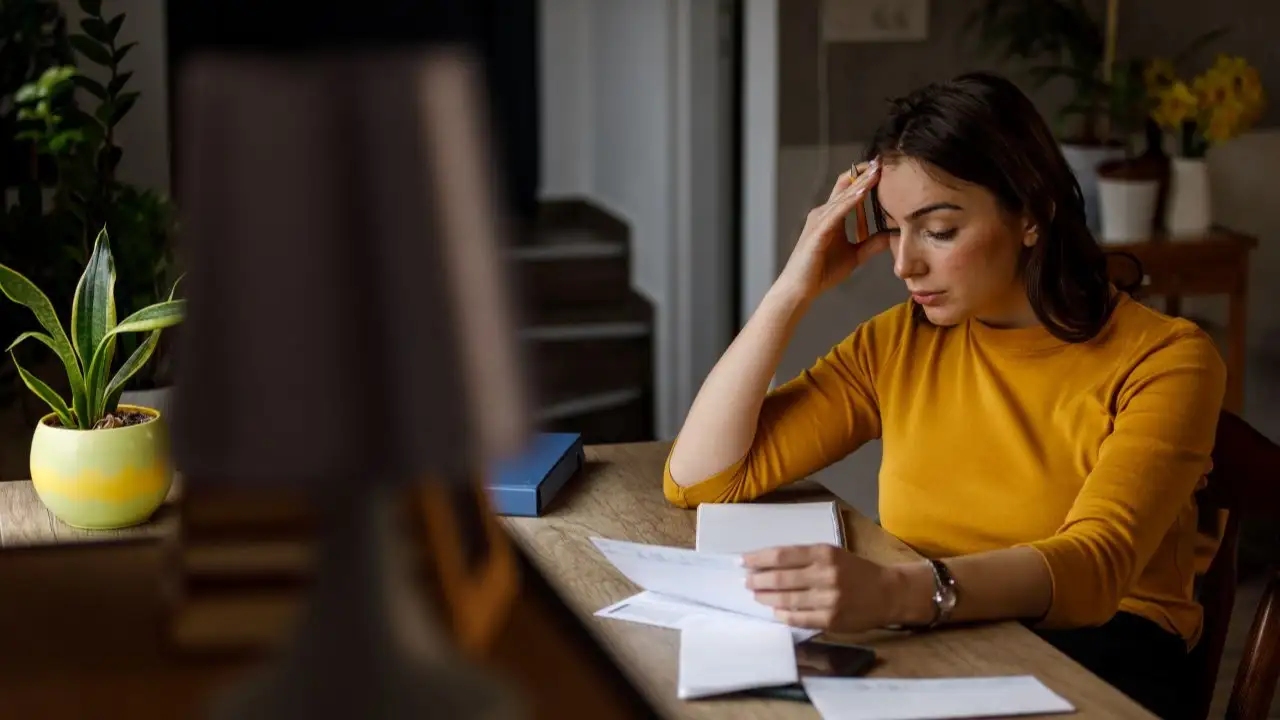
[
  {"x": 747, "y": 527},
  {"x": 874, "y": 699},
  {"x": 709, "y": 578},
  {"x": 725, "y": 655},
  {"x": 650, "y": 608}
]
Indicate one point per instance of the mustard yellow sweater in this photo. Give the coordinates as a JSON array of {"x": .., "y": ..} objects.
[{"x": 993, "y": 438}]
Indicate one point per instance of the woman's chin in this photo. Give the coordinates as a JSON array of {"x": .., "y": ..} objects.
[{"x": 942, "y": 315}]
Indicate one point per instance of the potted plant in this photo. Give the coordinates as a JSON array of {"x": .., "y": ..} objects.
[
  {"x": 1219, "y": 105},
  {"x": 1128, "y": 186},
  {"x": 1066, "y": 43},
  {"x": 95, "y": 462},
  {"x": 79, "y": 140}
]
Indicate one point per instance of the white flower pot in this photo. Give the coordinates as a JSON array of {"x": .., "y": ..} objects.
[
  {"x": 1084, "y": 161},
  {"x": 1128, "y": 209},
  {"x": 1188, "y": 213}
]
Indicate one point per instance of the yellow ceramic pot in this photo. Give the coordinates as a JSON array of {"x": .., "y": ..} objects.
[{"x": 102, "y": 479}]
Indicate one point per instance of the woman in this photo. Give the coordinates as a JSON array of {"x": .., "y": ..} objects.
[{"x": 1043, "y": 433}]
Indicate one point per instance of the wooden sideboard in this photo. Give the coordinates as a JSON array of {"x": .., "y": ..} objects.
[{"x": 1216, "y": 263}]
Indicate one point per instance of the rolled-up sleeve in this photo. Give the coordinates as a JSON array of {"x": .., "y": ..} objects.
[
  {"x": 823, "y": 414},
  {"x": 1156, "y": 457}
]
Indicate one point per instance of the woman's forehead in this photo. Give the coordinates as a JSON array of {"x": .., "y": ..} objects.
[{"x": 906, "y": 183}]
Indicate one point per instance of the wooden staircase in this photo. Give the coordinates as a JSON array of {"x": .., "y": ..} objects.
[{"x": 585, "y": 333}]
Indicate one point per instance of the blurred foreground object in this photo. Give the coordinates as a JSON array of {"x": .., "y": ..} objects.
[{"x": 348, "y": 371}]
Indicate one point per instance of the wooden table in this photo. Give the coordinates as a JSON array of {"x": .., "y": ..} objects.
[
  {"x": 1214, "y": 264},
  {"x": 619, "y": 496}
]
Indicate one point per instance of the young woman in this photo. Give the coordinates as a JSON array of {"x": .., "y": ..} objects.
[{"x": 1043, "y": 433}]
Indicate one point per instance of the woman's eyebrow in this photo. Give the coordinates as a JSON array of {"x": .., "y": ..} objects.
[{"x": 921, "y": 212}]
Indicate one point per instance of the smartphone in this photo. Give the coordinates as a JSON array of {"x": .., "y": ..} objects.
[
  {"x": 866, "y": 220},
  {"x": 815, "y": 658}
]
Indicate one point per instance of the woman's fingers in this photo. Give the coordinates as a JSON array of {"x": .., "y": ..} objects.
[
  {"x": 814, "y": 599},
  {"x": 842, "y": 182},
  {"x": 822, "y": 619}
]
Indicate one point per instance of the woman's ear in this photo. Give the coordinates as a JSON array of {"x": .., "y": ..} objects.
[{"x": 1030, "y": 233}]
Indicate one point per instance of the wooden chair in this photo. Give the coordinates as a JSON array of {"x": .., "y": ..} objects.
[{"x": 1245, "y": 481}]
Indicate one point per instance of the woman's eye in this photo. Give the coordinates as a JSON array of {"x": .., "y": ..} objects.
[{"x": 941, "y": 234}]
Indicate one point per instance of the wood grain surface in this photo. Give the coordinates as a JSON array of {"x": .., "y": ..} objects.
[
  {"x": 104, "y": 641},
  {"x": 619, "y": 495}
]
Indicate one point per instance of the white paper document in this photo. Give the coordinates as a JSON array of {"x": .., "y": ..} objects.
[
  {"x": 725, "y": 655},
  {"x": 874, "y": 699},
  {"x": 649, "y": 608},
  {"x": 747, "y": 527},
  {"x": 714, "y": 579}
]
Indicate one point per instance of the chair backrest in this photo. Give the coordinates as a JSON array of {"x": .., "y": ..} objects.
[{"x": 1245, "y": 480}]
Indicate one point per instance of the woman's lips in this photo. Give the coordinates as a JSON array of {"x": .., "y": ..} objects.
[{"x": 927, "y": 298}]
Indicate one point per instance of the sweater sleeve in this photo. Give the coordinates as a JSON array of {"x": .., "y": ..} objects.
[
  {"x": 1148, "y": 468},
  {"x": 806, "y": 424}
]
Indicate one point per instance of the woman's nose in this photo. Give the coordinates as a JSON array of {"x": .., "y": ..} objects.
[{"x": 907, "y": 262}]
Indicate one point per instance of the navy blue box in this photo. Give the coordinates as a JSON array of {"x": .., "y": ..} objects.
[{"x": 525, "y": 485}]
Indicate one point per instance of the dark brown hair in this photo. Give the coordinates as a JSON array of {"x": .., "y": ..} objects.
[{"x": 981, "y": 129}]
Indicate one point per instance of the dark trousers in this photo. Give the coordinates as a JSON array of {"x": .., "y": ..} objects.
[{"x": 1136, "y": 656}]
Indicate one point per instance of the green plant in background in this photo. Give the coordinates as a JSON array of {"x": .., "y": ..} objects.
[
  {"x": 87, "y": 356},
  {"x": 88, "y": 194},
  {"x": 1065, "y": 41},
  {"x": 33, "y": 36}
]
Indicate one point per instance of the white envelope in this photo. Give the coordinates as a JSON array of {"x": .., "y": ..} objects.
[{"x": 723, "y": 655}]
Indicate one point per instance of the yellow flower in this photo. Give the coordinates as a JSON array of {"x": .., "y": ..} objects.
[
  {"x": 1176, "y": 104},
  {"x": 1224, "y": 122}
]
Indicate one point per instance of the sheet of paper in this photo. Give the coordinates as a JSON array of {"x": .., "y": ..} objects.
[
  {"x": 876, "y": 699},
  {"x": 747, "y": 527},
  {"x": 725, "y": 655},
  {"x": 713, "y": 579},
  {"x": 650, "y": 608}
]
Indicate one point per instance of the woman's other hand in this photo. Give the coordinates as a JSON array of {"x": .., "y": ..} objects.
[
  {"x": 823, "y": 257},
  {"x": 822, "y": 587}
]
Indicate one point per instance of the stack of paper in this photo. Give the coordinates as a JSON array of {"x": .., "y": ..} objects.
[
  {"x": 868, "y": 699},
  {"x": 744, "y": 528}
]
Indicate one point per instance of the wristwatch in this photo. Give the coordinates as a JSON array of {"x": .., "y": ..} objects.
[{"x": 944, "y": 593}]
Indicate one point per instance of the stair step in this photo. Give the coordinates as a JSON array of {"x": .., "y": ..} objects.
[
  {"x": 623, "y": 415},
  {"x": 574, "y": 367},
  {"x": 551, "y": 286},
  {"x": 633, "y": 309}
]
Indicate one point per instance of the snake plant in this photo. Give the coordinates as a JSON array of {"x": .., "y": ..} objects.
[{"x": 89, "y": 353}]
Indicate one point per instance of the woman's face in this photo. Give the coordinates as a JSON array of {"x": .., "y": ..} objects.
[{"x": 953, "y": 245}]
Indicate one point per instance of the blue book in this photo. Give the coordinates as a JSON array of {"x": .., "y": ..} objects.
[{"x": 526, "y": 484}]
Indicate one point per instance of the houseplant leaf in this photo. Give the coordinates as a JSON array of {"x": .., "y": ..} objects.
[
  {"x": 153, "y": 317},
  {"x": 90, "y": 48},
  {"x": 131, "y": 366},
  {"x": 95, "y": 380},
  {"x": 137, "y": 359},
  {"x": 22, "y": 291},
  {"x": 93, "y": 311},
  {"x": 46, "y": 393}
]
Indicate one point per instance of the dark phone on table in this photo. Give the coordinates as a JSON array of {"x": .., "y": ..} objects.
[{"x": 822, "y": 659}]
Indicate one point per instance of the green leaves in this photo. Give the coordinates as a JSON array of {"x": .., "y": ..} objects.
[
  {"x": 42, "y": 390},
  {"x": 88, "y": 356},
  {"x": 22, "y": 291},
  {"x": 93, "y": 310},
  {"x": 91, "y": 49}
]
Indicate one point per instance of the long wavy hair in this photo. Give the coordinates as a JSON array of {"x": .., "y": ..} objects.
[{"x": 981, "y": 129}]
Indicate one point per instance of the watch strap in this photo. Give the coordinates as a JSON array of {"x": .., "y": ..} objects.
[{"x": 944, "y": 592}]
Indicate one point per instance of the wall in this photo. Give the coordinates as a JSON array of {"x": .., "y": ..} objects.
[
  {"x": 632, "y": 95},
  {"x": 861, "y": 76}
]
